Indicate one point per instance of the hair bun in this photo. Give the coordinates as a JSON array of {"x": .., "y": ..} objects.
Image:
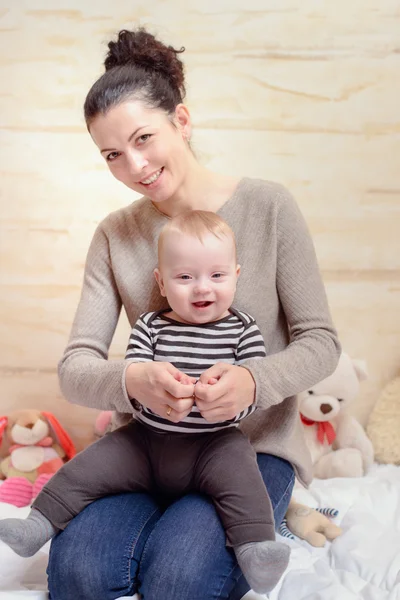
[{"x": 141, "y": 49}]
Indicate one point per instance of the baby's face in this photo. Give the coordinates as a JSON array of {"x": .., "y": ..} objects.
[{"x": 198, "y": 278}]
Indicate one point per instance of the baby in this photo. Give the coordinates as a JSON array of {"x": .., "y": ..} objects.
[{"x": 197, "y": 273}]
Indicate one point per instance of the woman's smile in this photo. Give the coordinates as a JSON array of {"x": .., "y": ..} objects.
[{"x": 150, "y": 182}]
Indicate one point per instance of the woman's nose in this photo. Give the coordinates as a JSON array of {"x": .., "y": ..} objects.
[{"x": 137, "y": 162}]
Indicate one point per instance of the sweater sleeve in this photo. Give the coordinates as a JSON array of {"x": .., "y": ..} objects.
[
  {"x": 313, "y": 351},
  {"x": 86, "y": 375}
]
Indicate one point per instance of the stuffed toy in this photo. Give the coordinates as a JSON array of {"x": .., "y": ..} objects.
[
  {"x": 309, "y": 524},
  {"x": 383, "y": 426},
  {"x": 338, "y": 444},
  {"x": 35, "y": 446}
]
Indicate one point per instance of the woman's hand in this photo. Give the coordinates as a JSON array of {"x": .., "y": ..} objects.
[
  {"x": 162, "y": 388},
  {"x": 223, "y": 391}
]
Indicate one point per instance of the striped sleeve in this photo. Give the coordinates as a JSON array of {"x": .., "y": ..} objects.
[
  {"x": 251, "y": 343},
  {"x": 140, "y": 346}
]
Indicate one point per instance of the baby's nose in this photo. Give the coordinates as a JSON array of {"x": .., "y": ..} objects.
[{"x": 202, "y": 287}]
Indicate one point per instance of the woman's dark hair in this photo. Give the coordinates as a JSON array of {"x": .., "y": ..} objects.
[{"x": 137, "y": 67}]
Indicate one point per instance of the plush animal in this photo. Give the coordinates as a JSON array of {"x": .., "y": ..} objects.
[
  {"x": 35, "y": 446},
  {"x": 338, "y": 444},
  {"x": 384, "y": 424},
  {"x": 312, "y": 525}
]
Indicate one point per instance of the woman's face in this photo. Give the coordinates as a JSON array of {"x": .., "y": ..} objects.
[{"x": 143, "y": 149}]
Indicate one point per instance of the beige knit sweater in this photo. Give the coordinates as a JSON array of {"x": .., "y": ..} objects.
[{"x": 279, "y": 285}]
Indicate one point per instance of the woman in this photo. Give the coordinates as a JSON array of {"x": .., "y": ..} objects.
[{"x": 134, "y": 542}]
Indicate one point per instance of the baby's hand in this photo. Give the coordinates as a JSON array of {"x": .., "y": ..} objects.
[
  {"x": 223, "y": 391},
  {"x": 212, "y": 381},
  {"x": 184, "y": 379}
]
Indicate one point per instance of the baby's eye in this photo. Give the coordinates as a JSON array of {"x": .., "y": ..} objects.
[
  {"x": 217, "y": 275},
  {"x": 185, "y": 277},
  {"x": 112, "y": 156}
]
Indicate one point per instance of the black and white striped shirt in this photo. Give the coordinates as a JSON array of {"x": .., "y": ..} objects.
[{"x": 193, "y": 349}]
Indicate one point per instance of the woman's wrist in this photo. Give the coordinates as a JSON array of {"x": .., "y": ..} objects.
[
  {"x": 254, "y": 384},
  {"x": 131, "y": 372}
]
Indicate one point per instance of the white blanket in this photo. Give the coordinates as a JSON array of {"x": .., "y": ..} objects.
[{"x": 362, "y": 564}]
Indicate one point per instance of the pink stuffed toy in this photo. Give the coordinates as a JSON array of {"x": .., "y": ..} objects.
[{"x": 35, "y": 446}]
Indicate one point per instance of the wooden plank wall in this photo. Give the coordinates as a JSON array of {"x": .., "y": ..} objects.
[{"x": 305, "y": 93}]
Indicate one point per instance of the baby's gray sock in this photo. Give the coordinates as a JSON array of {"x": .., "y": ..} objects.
[
  {"x": 262, "y": 563},
  {"x": 27, "y": 536}
]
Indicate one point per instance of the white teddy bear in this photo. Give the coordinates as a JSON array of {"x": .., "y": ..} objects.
[{"x": 338, "y": 443}]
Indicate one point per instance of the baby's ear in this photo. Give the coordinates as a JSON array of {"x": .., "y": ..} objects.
[
  {"x": 237, "y": 270},
  {"x": 160, "y": 282}
]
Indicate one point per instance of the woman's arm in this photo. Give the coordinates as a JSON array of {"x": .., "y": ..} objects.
[
  {"x": 86, "y": 375},
  {"x": 314, "y": 348}
]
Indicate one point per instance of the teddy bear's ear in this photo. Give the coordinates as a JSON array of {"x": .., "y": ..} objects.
[{"x": 360, "y": 367}]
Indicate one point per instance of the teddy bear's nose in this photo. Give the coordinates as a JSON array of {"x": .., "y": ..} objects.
[
  {"x": 29, "y": 425},
  {"x": 325, "y": 408}
]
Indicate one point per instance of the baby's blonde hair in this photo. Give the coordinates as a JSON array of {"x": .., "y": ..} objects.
[{"x": 196, "y": 223}]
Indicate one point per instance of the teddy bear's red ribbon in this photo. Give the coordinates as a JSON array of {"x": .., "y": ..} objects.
[{"x": 324, "y": 428}]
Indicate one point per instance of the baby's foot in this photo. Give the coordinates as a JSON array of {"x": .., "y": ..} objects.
[
  {"x": 27, "y": 536},
  {"x": 263, "y": 563}
]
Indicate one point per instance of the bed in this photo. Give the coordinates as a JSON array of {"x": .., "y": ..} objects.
[{"x": 362, "y": 564}]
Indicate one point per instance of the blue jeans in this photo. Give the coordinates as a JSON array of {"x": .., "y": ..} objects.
[{"x": 126, "y": 543}]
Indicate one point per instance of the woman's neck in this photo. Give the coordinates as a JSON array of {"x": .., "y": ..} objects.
[{"x": 202, "y": 189}]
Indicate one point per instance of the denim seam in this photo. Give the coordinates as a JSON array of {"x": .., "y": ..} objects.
[
  {"x": 133, "y": 545},
  {"x": 291, "y": 482},
  {"x": 144, "y": 553},
  {"x": 227, "y": 577}
]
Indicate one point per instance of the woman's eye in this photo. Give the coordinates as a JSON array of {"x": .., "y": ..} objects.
[
  {"x": 143, "y": 138},
  {"x": 185, "y": 277},
  {"x": 112, "y": 156}
]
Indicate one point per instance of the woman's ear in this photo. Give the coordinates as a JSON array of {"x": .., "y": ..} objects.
[
  {"x": 183, "y": 121},
  {"x": 159, "y": 279}
]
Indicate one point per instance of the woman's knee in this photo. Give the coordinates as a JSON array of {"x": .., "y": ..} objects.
[
  {"x": 98, "y": 554},
  {"x": 185, "y": 556},
  {"x": 279, "y": 477}
]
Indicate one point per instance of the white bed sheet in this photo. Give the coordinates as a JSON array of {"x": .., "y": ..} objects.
[{"x": 362, "y": 564}]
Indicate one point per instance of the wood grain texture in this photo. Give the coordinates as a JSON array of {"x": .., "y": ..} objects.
[{"x": 301, "y": 93}]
